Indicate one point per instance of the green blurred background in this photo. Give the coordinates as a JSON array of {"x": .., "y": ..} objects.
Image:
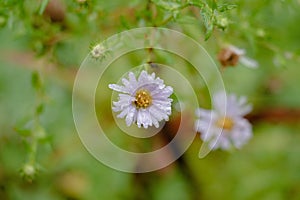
[{"x": 42, "y": 47}]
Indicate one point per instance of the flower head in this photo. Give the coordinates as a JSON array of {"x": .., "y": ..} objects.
[
  {"x": 29, "y": 171},
  {"x": 224, "y": 131},
  {"x": 98, "y": 51},
  {"x": 144, "y": 100},
  {"x": 231, "y": 56}
]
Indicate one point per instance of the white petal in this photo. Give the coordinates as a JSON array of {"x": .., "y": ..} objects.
[
  {"x": 118, "y": 88},
  {"x": 124, "y": 112},
  {"x": 248, "y": 62},
  {"x": 165, "y": 93},
  {"x": 151, "y": 87},
  {"x": 223, "y": 142},
  {"x": 132, "y": 79},
  {"x": 158, "y": 113},
  {"x": 238, "y": 107},
  {"x": 143, "y": 77},
  {"x": 203, "y": 113},
  {"x": 131, "y": 116},
  {"x": 143, "y": 118},
  {"x": 245, "y": 110},
  {"x": 241, "y": 133},
  {"x": 220, "y": 101},
  {"x": 237, "y": 50},
  {"x": 124, "y": 101},
  {"x": 125, "y": 82},
  {"x": 154, "y": 121}
]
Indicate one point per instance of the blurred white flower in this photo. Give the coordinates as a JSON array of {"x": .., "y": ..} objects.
[
  {"x": 144, "y": 100},
  {"x": 221, "y": 131},
  {"x": 232, "y": 55}
]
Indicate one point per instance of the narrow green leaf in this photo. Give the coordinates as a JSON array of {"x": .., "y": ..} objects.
[
  {"x": 39, "y": 132},
  {"x": 226, "y": 7},
  {"x": 208, "y": 17},
  {"x": 185, "y": 19},
  {"x": 43, "y": 5},
  {"x": 198, "y": 3},
  {"x": 36, "y": 80},
  {"x": 23, "y": 131},
  {"x": 40, "y": 109},
  {"x": 208, "y": 33},
  {"x": 167, "y": 5},
  {"x": 214, "y": 5}
]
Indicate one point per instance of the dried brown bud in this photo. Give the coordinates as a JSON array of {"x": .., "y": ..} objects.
[
  {"x": 55, "y": 10},
  {"x": 228, "y": 57}
]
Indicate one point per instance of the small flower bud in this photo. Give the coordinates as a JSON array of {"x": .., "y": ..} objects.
[
  {"x": 98, "y": 51},
  {"x": 222, "y": 22},
  {"x": 261, "y": 33},
  {"x": 28, "y": 171}
]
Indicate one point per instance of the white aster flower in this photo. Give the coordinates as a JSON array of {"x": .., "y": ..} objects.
[
  {"x": 232, "y": 55},
  {"x": 144, "y": 100},
  {"x": 225, "y": 131}
]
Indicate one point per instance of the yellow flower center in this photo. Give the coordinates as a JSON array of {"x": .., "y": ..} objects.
[
  {"x": 143, "y": 99},
  {"x": 225, "y": 123}
]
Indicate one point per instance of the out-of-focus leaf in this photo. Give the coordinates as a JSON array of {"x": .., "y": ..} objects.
[
  {"x": 36, "y": 80},
  {"x": 23, "y": 131},
  {"x": 175, "y": 14},
  {"x": 40, "y": 133},
  {"x": 208, "y": 20},
  {"x": 44, "y": 3},
  {"x": 185, "y": 19},
  {"x": 40, "y": 109},
  {"x": 124, "y": 22},
  {"x": 24, "y": 127},
  {"x": 214, "y": 5},
  {"x": 225, "y": 7},
  {"x": 198, "y": 3},
  {"x": 2, "y": 21},
  {"x": 167, "y": 5}
]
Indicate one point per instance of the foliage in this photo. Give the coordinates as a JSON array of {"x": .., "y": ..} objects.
[{"x": 42, "y": 47}]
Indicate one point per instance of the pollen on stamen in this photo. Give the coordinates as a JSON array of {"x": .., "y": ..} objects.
[
  {"x": 225, "y": 123},
  {"x": 143, "y": 99}
]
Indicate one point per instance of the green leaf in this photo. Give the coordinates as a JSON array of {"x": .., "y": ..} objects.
[
  {"x": 40, "y": 133},
  {"x": 36, "y": 80},
  {"x": 175, "y": 14},
  {"x": 39, "y": 109},
  {"x": 23, "y": 131},
  {"x": 167, "y": 5},
  {"x": 214, "y": 5},
  {"x": 185, "y": 19},
  {"x": 24, "y": 127},
  {"x": 226, "y": 7},
  {"x": 43, "y": 5},
  {"x": 124, "y": 22},
  {"x": 208, "y": 20},
  {"x": 198, "y": 3}
]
